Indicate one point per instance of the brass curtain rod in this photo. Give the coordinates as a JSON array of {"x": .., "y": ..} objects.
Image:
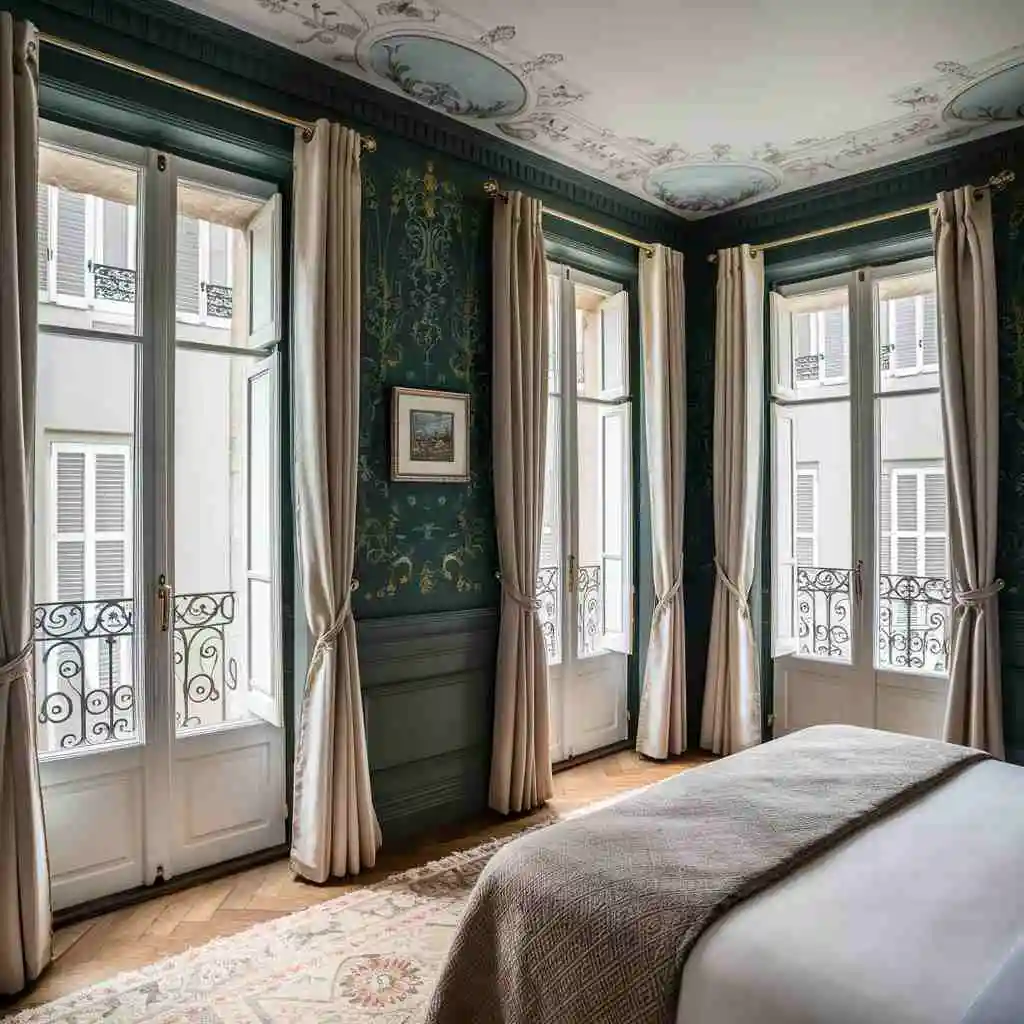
[
  {"x": 368, "y": 142},
  {"x": 492, "y": 189},
  {"x": 997, "y": 183}
]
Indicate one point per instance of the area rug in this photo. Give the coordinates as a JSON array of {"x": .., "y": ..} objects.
[{"x": 368, "y": 957}]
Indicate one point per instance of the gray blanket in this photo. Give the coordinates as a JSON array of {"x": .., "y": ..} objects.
[{"x": 591, "y": 920}]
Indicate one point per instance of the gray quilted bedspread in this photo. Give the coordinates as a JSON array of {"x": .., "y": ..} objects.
[{"x": 591, "y": 919}]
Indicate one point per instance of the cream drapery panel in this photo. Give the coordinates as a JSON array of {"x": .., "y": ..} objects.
[
  {"x": 520, "y": 757},
  {"x": 732, "y": 695},
  {"x": 966, "y": 281},
  {"x": 334, "y": 830},
  {"x": 661, "y": 726},
  {"x": 24, "y": 872}
]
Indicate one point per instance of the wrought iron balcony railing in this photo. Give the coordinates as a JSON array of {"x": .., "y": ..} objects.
[
  {"x": 914, "y": 618},
  {"x": 86, "y": 693},
  {"x": 218, "y": 301},
  {"x": 116, "y": 284},
  {"x": 588, "y": 604}
]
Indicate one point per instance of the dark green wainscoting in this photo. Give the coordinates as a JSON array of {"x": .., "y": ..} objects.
[{"x": 427, "y": 692}]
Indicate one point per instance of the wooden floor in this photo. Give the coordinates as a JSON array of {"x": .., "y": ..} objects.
[{"x": 127, "y": 939}]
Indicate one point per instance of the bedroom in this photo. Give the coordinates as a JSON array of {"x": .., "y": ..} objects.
[{"x": 426, "y": 553}]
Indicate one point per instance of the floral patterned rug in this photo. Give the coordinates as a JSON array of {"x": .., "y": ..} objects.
[{"x": 368, "y": 957}]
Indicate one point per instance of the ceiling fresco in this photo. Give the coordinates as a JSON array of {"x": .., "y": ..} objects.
[{"x": 674, "y": 120}]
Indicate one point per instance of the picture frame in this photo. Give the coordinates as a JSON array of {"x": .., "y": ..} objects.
[{"x": 429, "y": 435}]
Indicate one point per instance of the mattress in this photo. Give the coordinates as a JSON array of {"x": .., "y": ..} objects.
[{"x": 906, "y": 922}]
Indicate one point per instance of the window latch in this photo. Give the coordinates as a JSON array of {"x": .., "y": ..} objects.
[
  {"x": 858, "y": 580},
  {"x": 163, "y": 598},
  {"x": 570, "y": 580}
]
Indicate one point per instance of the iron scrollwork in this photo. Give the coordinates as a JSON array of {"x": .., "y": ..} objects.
[
  {"x": 219, "y": 301},
  {"x": 823, "y": 612},
  {"x": 914, "y": 615},
  {"x": 548, "y": 608},
  {"x": 116, "y": 284},
  {"x": 203, "y": 670},
  {"x": 588, "y": 604}
]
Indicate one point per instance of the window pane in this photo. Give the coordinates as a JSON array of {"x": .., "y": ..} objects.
[
  {"x": 908, "y": 332},
  {"x": 913, "y": 611},
  {"x": 554, "y": 312},
  {"x": 819, "y": 515},
  {"x": 549, "y": 576},
  {"x": 86, "y": 693},
  {"x": 211, "y": 288},
  {"x": 214, "y": 534},
  {"x": 87, "y": 242},
  {"x": 811, "y": 345}
]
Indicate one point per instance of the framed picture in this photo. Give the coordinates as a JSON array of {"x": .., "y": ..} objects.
[{"x": 429, "y": 435}]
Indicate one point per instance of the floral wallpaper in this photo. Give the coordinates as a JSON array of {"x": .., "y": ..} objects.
[{"x": 426, "y": 290}]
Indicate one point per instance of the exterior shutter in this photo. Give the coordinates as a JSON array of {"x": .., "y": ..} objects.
[
  {"x": 907, "y": 535},
  {"x": 936, "y": 542},
  {"x": 806, "y": 517},
  {"x": 904, "y": 354},
  {"x": 805, "y": 361},
  {"x": 931, "y": 331},
  {"x": 835, "y": 344},
  {"x": 115, "y": 234},
  {"x": 110, "y": 519},
  {"x": 70, "y": 545},
  {"x": 187, "y": 266},
  {"x": 43, "y": 235},
  {"x": 885, "y": 522},
  {"x": 71, "y": 212}
]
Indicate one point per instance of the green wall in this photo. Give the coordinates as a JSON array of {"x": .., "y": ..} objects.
[
  {"x": 426, "y": 323},
  {"x": 892, "y": 188}
]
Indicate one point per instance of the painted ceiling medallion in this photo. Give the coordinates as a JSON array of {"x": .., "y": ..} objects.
[
  {"x": 996, "y": 97},
  {"x": 697, "y": 188},
  {"x": 448, "y": 76}
]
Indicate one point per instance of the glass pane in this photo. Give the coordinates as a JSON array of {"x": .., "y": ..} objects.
[
  {"x": 549, "y": 576},
  {"x": 86, "y": 692},
  {"x": 211, "y": 600},
  {"x": 211, "y": 265},
  {"x": 914, "y": 611},
  {"x": 591, "y": 529},
  {"x": 601, "y": 348},
  {"x": 554, "y": 332},
  {"x": 819, "y": 514},
  {"x": 908, "y": 332},
  {"x": 88, "y": 242},
  {"x": 811, "y": 344}
]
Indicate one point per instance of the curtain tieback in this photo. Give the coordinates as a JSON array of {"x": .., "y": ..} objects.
[
  {"x": 526, "y": 603},
  {"x": 19, "y": 665},
  {"x": 741, "y": 598},
  {"x": 326, "y": 640},
  {"x": 666, "y": 599},
  {"x": 967, "y": 599}
]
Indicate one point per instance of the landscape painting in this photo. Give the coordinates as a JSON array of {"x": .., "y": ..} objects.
[{"x": 429, "y": 435}]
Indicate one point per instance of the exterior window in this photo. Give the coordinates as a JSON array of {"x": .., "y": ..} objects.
[
  {"x": 909, "y": 331},
  {"x": 204, "y": 269},
  {"x": 821, "y": 345}
]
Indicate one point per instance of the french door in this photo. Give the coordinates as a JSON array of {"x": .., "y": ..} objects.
[
  {"x": 861, "y": 594},
  {"x": 585, "y": 582},
  {"x": 157, "y": 633}
]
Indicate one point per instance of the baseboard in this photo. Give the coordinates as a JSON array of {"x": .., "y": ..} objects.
[{"x": 591, "y": 755}]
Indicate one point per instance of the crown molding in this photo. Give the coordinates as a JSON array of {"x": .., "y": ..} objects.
[
  {"x": 181, "y": 42},
  {"x": 907, "y": 183}
]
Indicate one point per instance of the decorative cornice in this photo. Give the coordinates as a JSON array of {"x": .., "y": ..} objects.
[{"x": 178, "y": 41}]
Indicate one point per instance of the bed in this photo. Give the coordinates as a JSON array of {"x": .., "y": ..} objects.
[{"x": 839, "y": 874}]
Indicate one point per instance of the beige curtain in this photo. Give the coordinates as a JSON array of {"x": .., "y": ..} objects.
[
  {"x": 966, "y": 278},
  {"x": 661, "y": 727},
  {"x": 520, "y": 757},
  {"x": 24, "y": 872},
  {"x": 732, "y": 693},
  {"x": 334, "y": 828}
]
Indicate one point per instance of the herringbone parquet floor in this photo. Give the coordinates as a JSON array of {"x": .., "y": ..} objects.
[{"x": 127, "y": 939}]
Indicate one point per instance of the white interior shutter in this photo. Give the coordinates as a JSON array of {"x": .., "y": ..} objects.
[
  {"x": 783, "y": 347},
  {"x": 71, "y": 243},
  {"x": 931, "y": 331},
  {"x": 905, "y": 339},
  {"x": 616, "y": 572},
  {"x": 783, "y": 468},
  {"x": 835, "y": 344},
  {"x": 265, "y": 689},
  {"x": 614, "y": 324},
  {"x": 187, "y": 266},
  {"x": 263, "y": 244}
]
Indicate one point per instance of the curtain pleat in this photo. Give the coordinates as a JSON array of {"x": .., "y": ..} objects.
[
  {"x": 520, "y": 757},
  {"x": 661, "y": 726},
  {"x": 732, "y": 695},
  {"x": 24, "y": 871},
  {"x": 968, "y": 361},
  {"x": 334, "y": 827}
]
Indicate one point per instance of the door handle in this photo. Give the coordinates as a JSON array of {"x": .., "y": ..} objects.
[
  {"x": 163, "y": 597},
  {"x": 858, "y": 581},
  {"x": 570, "y": 581}
]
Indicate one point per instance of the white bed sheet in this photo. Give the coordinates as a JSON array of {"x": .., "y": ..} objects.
[{"x": 903, "y": 923}]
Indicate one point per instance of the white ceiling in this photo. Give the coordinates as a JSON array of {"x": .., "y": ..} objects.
[{"x": 697, "y": 107}]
